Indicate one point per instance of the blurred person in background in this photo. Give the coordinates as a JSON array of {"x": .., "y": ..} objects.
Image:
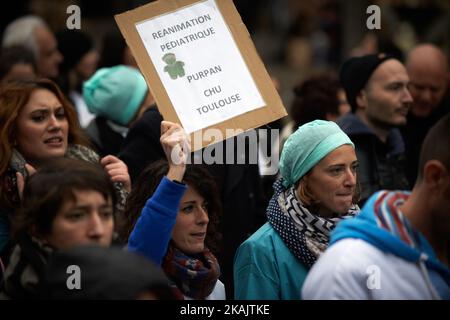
[
  {"x": 16, "y": 63},
  {"x": 80, "y": 62},
  {"x": 427, "y": 68},
  {"x": 117, "y": 96},
  {"x": 320, "y": 97},
  {"x": 106, "y": 274},
  {"x": 115, "y": 51},
  {"x": 33, "y": 33}
]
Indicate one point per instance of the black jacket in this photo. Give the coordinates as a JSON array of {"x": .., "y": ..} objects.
[
  {"x": 141, "y": 145},
  {"x": 105, "y": 140},
  {"x": 105, "y": 274},
  {"x": 414, "y": 134},
  {"x": 24, "y": 273},
  {"x": 381, "y": 165}
]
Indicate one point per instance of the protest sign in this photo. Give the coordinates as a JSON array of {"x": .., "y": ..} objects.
[{"x": 201, "y": 66}]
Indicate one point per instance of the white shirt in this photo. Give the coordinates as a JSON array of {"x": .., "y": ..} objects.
[
  {"x": 354, "y": 269},
  {"x": 218, "y": 292},
  {"x": 84, "y": 116}
]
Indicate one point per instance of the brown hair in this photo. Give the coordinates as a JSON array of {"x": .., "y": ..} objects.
[
  {"x": 51, "y": 186},
  {"x": 315, "y": 98},
  {"x": 13, "y": 97},
  {"x": 196, "y": 177}
]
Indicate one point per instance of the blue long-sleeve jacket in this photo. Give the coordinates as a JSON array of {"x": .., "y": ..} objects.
[{"x": 152, "y": 232}]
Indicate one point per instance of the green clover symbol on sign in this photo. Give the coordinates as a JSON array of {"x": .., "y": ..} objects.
[{"x": 174, "y": 68}]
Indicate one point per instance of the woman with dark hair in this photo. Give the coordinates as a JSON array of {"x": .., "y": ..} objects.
[
  {"x": 37, "y": 123},
  {"x": 173, "y": 212},
  {"x": 80, "y": 63},
  {"x": 66, "y": 203},
  {"x": 115, "y": 51},
  {"x": 318, "y": 98}
]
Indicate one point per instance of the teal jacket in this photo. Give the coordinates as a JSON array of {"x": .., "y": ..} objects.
[{"x": 265, "y": 269}]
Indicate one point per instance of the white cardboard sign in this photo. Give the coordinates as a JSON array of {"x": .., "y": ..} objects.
[{"x": 200, "y": 65}]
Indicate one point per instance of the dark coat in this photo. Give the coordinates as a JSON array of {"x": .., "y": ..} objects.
[
  {"x": 414, "y": 134},
  {"x": 239, "y": 186},
  {"x": 105, "y": 140},
  {"x": 141, "y": 145},
  {"x": 381, "y": 165},
  {"x": 25, "y": 271}
]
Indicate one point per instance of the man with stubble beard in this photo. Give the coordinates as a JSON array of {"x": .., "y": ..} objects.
[{"x": 377, "y": 90}]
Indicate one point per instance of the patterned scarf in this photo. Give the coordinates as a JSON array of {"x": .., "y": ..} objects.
[
  {"x": 195, "y": 276},
  {"x": 304, "y": 233},
  {"x": 25, "y": 270},
  {"x": 74, "y": 151}
]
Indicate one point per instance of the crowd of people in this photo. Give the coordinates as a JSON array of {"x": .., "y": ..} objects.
[{"x": 91, "y": 175}]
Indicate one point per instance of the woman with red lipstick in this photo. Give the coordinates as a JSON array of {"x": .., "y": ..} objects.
[
  {"x": 37, "y": 123},
  {"x": 317, "y": 189},
  {"x": 173, "y": 211}
]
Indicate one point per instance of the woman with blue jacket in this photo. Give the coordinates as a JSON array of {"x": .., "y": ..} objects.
[
  {"x": 317, "y": 189},
  {"x": 172, "y": 214}
]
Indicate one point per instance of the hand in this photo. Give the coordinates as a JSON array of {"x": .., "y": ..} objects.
[
  {"x": 176, "y": 145},
  {"x": 21, "y": 179},
  {"x": 117, "y": 170}
]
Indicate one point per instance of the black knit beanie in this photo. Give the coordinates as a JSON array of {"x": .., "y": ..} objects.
[{"x": 356, "y": 71}]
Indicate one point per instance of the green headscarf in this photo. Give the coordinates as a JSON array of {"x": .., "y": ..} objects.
[{"x": 307, "y": 146}]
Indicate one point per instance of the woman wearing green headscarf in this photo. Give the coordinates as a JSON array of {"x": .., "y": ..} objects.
[{"x": 316, "y": 190}]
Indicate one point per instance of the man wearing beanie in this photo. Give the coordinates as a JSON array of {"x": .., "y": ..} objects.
[{"x": 377, "y": 91}]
